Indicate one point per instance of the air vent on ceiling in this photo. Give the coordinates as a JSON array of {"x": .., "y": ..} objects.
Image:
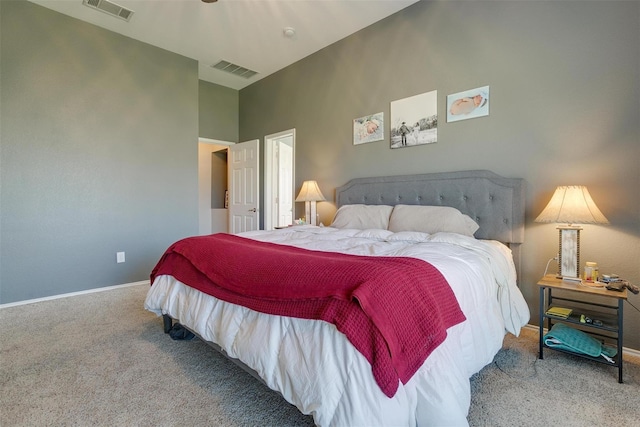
[
  {"x": 109, "y": 7},
  {"x": 234, "y": 69}
]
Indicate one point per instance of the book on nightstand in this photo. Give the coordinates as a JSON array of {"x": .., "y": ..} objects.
[{"x": 560, "y": 312}]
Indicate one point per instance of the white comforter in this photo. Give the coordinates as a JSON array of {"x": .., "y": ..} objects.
[{"x": 317, "y": 369}]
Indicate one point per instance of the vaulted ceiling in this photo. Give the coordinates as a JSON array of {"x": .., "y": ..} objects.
[{"x": 263, "y": 36}]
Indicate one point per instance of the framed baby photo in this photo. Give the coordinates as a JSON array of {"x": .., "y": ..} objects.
[
  {"x": 468, "y": 104},
  {"x": 368, "y": 129}
]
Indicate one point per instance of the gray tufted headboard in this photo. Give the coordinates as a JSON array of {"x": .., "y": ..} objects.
[{"x": 495, "y": 203}]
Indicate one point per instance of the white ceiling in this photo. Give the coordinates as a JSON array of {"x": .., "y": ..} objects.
[{"x": 245, "y": 32}]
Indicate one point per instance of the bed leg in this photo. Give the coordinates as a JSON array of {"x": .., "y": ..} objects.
[{"x": 167, "y": 323}]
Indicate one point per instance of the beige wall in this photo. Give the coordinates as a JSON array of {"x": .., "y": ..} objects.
[{"x": 565, "y": 109}]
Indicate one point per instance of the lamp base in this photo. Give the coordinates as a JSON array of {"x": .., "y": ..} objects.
[
  {"x": 310, "y": 213},
  {"x": 569, "y": 252}
]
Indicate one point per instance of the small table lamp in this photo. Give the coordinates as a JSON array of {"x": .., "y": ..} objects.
[
  {"x": 571, "y": 205},
  {"x": 310, "y": 194}
]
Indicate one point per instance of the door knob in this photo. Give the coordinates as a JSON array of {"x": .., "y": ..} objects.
[{"x": 253, "y": 210}]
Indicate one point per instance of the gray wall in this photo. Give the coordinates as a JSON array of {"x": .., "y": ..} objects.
[
  {"x": 565, "y": 109},
  {"x": 218, "y": 112},
  {"x": 99, "y": 154}
]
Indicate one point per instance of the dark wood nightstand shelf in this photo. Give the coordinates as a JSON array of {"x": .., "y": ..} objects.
[{"x": 594, "y": 303}]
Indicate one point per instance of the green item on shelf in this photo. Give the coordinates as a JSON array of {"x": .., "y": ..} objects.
[
  {"x": 559, "y": 312},
  {"x": 567, "y": 338}
]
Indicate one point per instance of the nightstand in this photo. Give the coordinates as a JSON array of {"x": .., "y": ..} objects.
[{"x": 604, "y": 307}]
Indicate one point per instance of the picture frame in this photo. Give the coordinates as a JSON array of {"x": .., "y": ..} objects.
[
  {"x": 468, "y": 104},
  {"x": 414, "y": 120},
  {"x": 368, "y": 129}
]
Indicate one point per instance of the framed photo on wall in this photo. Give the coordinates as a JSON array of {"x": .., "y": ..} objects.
[
  {"x": 368, "y": 129},
  {"x": 468, "y": 104},
  {"x": 414, "y": 120}
]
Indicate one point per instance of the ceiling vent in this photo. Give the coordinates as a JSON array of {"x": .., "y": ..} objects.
[
  {"x": 109, "y": 7},
  {"x": 234, "y": 69}
]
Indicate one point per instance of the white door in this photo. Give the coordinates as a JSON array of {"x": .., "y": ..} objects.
[{"x": 243, "y": 186}]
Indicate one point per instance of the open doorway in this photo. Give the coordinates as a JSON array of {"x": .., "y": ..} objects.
[
  {"x": 212, "y": 185},
  {"x": 279, "y": 179}
]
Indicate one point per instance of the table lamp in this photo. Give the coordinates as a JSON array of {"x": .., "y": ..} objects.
[
  {"x": 310, "y": 194},
  {"x": 571, "y": 205}
]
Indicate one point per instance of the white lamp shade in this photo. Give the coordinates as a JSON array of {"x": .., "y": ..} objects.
[
  {"x": 572, "y": 205},
  {"x": 310, "y": 192}
]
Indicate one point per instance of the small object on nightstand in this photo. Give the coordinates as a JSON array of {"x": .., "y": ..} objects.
[
  {"x": 620, "y": 285},
  {"x": 591, "y": 271},
  {"x": 615, "y": 286}
]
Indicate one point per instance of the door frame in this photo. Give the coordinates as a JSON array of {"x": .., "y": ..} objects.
[{"x": 270, "y": 164}]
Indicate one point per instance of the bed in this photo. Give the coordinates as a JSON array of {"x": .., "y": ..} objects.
[{"x": 466, "y": 227}]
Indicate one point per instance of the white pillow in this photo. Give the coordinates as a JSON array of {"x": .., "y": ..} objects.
[
  {"x": 431, "y": 219},
  {"x": 362, "y": 217}
]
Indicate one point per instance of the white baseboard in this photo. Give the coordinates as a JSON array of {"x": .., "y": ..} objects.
[
  {"x": 625, "y": 350},
  {"x": 73, "y": 294}
]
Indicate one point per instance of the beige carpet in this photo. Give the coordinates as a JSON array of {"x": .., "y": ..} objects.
[
  {"x": 560, "y": 390},
  {"x": 101, "y": 359}
]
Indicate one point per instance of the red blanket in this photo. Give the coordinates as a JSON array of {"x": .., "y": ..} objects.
[{"x": 394, "y": 310}]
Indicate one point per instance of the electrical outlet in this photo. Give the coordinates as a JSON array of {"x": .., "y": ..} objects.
[{"x": 119, "y": 257}]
